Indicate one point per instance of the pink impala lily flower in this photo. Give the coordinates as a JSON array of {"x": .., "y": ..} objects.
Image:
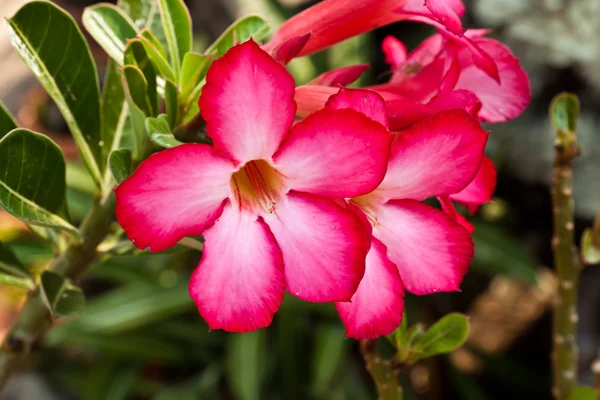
[
  {"x": 415, "y": 247},
  {"x": 268, "y": 196}
]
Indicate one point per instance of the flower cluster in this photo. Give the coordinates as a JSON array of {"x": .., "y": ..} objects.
[{"x": 318, "y": 190}]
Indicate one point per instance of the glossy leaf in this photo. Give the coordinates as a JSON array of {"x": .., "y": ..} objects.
[
  {"x": 564, "y": 112},
  {"x": 153, "y": 40},
  {"x": 7, "y": 122},
  {"x": 110, "y": 27},
  {"x": 49, "y": 41},
  {"x": 246, "y": 363},
  {"x": 496, "y": 252},
  {"x": 177, "y": 25},
  {"x": 114, "y": 109},
  {"x": 12, "y": 272},
  {"x": 135, "y": 54},
  {"x": 32, "y": 187},
  {"x": 157, "y": 58},
  {"x": 583, "y": 393},
  {"x": 193, "y": 71},
  {"x": 172, "y": 103},
  {"x": 251, "y": 26},
  {"x": 119, "y": 162},
  {"x": 446, "y": 335},
  {"x": 146, "y": 15},
  {"x": 160, "y": 132},
  {"x": 136, "y": 89},
  {"x": 590, "y": 253},
  {"x": 60, "y": 296}
]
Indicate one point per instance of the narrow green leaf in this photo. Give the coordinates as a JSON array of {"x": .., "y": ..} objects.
[
  {"x": 177, "y": 25},
  {"x": 160, "y": 132},
  {"x": 62, "y": 298},
  {"x": 171, "y": 103},
  {"x": 590, "y": 253},
  {"x": 583, "y": 393},
  {"x": 328, "y": 357},
  {"x": 136, "y": 88},
  {"x": 496, "y": 252},
  {"x": 114, "y": 109},
  {"x": 146, "y": 15},
  {"x": 7, "y": 122},
  {"x": 119, "y": 162},
  {"x": 49, "y": 41},
  {"x": 12, "y": 272},
  {"x": 250, "y": 26},
  {"x": 564, "y": 112},
  {"x": 135, "y": 54},
  {"x": 201, "y": 386},
  {"x": 33, "y": 187},
  {"x": 110, "y": 27},
  {"x": 149, "y": 36},
  {"x": 446, "y": 335},
  {"x": 246, "y": 364},
  {"x": 193, "y": 71},
  {"x": 157, "y": 58}
]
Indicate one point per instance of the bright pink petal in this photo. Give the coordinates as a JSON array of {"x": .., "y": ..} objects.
[
  {"x": 340, "y": 76},
  {"x": 404, "y": 112},
  {"x": 247, "y": 103},
  {"x": 500, "y": 101},
  {"x": 456, "y": 100},
  {"x": 366, "y": 102},
  {"x": 431, "y": 251},
  {"x": 335, "y": 153},
  {"x": 443, "y": 11},
  {"x": 395, "y": 52},
  {"x": 434, "y": 157},
  {"x": 448, "y": 207},
  {"x": 481, "y": 189},
  {"x": 324, "y": 246},
  {"x": 239, "y": 283},
  {"x": 377, "y": 306},
  {"x": 332, "y": 21},
  {"x": 175, "y": 193},
  {"x": 290, "y": 49},
  {"x": 311, "y": 98}
]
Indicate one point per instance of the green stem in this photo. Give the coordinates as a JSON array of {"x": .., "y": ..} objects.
[
  {"x": 34, "y": 319},
  {"x": 383, "y": 372},
  {"x": 567, "y": 266}
]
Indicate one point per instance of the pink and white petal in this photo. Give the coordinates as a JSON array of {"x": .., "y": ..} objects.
[
  {"x": 454, "y": 100},
  {"x": 324, "y": 246},
  {"x": 247, "y": 103},
  {"x": 311, "y": 98},
  {"x": 175, "y": 193},
  {"x": 448, "y": 207},
  {"x": 239, "y": 283},
  {"x": 432, "y": 251},
  {"x": 481, "y": 189},
  {"x": 404, "y": 112},
  {"x": 364, "y": 101},
  {"x": 377, "y": 306},
  {"x": 334, "y": 153},
  {"x": 444, "y": 12},
  {"x": 395, "y": 52},
  {"x": 436, "y": 156},
  {"x": 340, "y": 76},
  {"x": 500, "y": 101}
]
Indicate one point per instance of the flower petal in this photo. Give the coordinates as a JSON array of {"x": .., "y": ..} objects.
[
  {"x": 443, "y": 11},
  {"x": 239, "y": 283},
  {"x": 366, "y": 102},
  {"x": 335, "y": 153},
  {"x": 448, "y": 207},
  {"x": 377, "y": 306},
  {"x": 340, "y": 76},
  {"x": 500, "y": 101},
  {"x": 324, "y": 246},
  {"x": 247, "y": 103},
  {"x": 175, "y": 193},
  {"x": 436, "y": 156},
  {"x": 432, "y": 252},
  {"x": 481, "y": 189},
  {"x": 395, "y": 52}
]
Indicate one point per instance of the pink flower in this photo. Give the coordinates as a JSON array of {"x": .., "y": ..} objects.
[
  {"x": 268, "y": 196},
  {"x": 415, "y": 247}
]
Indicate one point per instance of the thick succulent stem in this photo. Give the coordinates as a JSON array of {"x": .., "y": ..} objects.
[
  {"x": 34, "y": 319},
  {"x": 383, "y": 372}
]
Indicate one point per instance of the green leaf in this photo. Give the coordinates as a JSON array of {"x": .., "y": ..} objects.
[
  {"x": 496, "y": 252},
  {"x": 446, "y": 335},
  {"x": 12, "y": 272},
  {"x": 329, "y": 354},
  {"x": 171, "y": 103},
  {"x": 590, "y": 253},
  {"x": 250, "y": 26},
  {"x": 7, "y": 122},
  {"x": 33, "y": 184},
  {"x": 135, "y": 54},
  {"x": 160, "y": 132},
  {"x": 146, "y": 15},
  {"x": 110, "y": 27},
  {"x": 177, "y": 25},
  {"x": 583, "y": 393},
  {"x": 157, "y": 58},
  {"x": 62, "y": 298},
  {"x": 564, "y": 112},
  {"x": 119, "y": 162},
  {"x": 114, "y": 109},
  {"x": 193, "y": 71},
  {"x": 136, "y": 89},
  {"x": 246, "y": 364},
  {"x": 152, "y": 40},
  {"x": 49, "y": 41}
]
